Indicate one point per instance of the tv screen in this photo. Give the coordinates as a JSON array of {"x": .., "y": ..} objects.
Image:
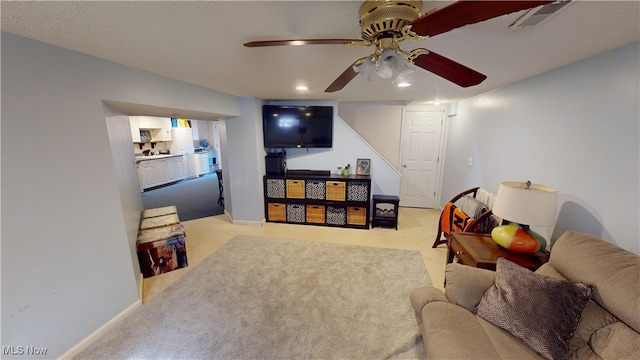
[{"x": 286, "y": 126}]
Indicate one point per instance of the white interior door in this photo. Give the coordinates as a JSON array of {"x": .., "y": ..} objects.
[{"x": 421, "y": 134}]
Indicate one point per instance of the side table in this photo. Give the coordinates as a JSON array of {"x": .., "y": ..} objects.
[
  {"x": 479, "y": 250},
  {"x": 383, "y": 216}
]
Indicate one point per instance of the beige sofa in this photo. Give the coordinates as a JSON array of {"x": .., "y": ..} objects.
[{"x": 609, "y": 326}]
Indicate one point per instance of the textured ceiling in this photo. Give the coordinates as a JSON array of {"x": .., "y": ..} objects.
[{"x": 201, "y": 43}]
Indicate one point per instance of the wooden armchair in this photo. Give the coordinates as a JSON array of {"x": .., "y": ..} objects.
[{"x": 453, "y": 218}]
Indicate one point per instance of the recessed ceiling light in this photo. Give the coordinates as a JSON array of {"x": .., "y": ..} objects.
[
  {"x": 403, "y": 84},
  {"x": 302, "y": 88}
]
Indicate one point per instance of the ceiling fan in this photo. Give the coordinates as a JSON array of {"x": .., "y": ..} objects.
[{"x": 385, "y": 24}]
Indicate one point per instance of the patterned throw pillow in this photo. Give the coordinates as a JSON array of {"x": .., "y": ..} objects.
[{"x": 542, "y": 311}]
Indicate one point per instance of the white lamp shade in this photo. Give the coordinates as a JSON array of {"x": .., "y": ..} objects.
[{"x": 535, "y": 205}]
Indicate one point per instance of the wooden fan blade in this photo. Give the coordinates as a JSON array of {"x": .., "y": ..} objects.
[
  {"x": 449, "y": 69},
  {"x": 304, "y": 42},
  {"x": 344, "y": 78},
  {"x": 463, "y": 13}
]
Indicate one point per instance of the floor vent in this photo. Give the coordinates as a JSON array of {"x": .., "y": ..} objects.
[{"x": 538, "y": 15}]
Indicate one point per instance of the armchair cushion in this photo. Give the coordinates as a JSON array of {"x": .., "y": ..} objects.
[{"x": 542, "y": 311}]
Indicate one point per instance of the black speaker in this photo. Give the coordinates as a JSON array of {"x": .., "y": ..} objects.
[{"x": 275, "y": 164}]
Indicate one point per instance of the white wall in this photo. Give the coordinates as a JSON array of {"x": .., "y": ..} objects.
[
  {"x": 244, "y": 159},
  {"x": 66, "y": 230},
  {"x": 119, "y": 132},
  {"x": 575, "y": 128},
  {"x": 380, "y": 124}
]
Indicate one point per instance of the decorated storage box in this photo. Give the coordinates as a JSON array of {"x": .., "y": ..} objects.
[
  {"x": 161, "y": 249},
  {"x": 161, "y": 211},
  {"x": 159, "y": 221}
]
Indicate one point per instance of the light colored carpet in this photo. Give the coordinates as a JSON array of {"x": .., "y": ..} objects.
[{"x": 267, "y": 298}]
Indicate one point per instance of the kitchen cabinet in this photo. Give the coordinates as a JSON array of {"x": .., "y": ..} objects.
[
  {"x": 175, "y": 168},
  {"x": 164, "y": 133},
  {"x": 146, "y": 173},
  {"x": 195, "y": 131},
  {"x": 159, "y": 128},
  {"x": 150, "y": 122},
  {"x": 204, "y": 163},
  {"x": 182, "y": 141},
  {"x": 158, "y": 172},
  {"x": 135, "y": 129},
  {"x": 192, "y": 164}
]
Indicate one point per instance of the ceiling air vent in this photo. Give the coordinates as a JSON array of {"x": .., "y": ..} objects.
[{"x": 538, "y": 15}]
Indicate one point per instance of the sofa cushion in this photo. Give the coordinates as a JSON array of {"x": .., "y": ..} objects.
[
  {"x": 465, "y": 285},
  {"x": 614, "y": 272},
  {"x": 542, "y": 311}
]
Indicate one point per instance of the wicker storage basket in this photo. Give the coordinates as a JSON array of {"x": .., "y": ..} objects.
[
  {"x": 315, "y": 214},
  {"x": 356, "y": 215},
  {"x": 295, "y": 189},
  {"x": 277, "y": 212},
  {"x": 336, "y": 190}
]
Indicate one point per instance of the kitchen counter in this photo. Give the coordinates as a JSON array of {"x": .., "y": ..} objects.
[{"x": 154, "y": 157}]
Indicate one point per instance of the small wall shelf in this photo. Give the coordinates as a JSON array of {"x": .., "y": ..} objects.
[{"x": 141, "y": 144}]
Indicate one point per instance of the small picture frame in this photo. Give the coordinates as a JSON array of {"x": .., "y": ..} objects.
[{"x": 363, "y": 167}]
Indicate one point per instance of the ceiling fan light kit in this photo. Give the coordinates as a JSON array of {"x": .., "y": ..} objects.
[{"x": 385, "y": 24}]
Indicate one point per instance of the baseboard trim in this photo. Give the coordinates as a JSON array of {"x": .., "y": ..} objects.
[
  {"x": 242, "y": 222},
  {"x": 246, "y": 222},
  {"x": 140, "y": 286},
  {"x": 78, "y": 348}
]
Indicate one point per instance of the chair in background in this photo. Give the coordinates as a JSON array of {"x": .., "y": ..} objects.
[
  {"x": 220, "y": 188},
  {"x": 469, "y": 211}
]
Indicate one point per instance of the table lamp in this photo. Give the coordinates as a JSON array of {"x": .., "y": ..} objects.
[{"x": 523, "y": 204}]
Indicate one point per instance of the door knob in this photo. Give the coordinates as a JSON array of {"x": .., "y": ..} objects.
[{"x": 404, "y": 165}]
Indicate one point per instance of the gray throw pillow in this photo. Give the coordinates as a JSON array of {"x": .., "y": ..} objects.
[{"x": 542, "y": 311}]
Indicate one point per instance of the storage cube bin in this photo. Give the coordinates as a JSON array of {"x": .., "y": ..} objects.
[
  {"x": 277, "y": 212},
  {"x": 315, "y": 214},
  {"x": 296, "y": 213},
  {"x": 275, "y": 188},
  {"x": 356, "y": 215},
  {"x": 315, "y": 189},
  {"x": 161, "y": 250},
  {"x": 357, "y": 191},
  {"x": 295, "y": 189},
  {"x": 336, "y": 215},
  {"x": 336, "y": 190}
]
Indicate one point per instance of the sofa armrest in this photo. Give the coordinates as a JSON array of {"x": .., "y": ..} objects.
[
  {"x": 422, "y": 296},
  {"x": 466, "y": 284},
  {"x": 452, "y": 332}
]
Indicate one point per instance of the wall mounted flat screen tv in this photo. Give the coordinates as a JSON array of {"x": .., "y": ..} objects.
[{"x": 287, "y": 126}]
